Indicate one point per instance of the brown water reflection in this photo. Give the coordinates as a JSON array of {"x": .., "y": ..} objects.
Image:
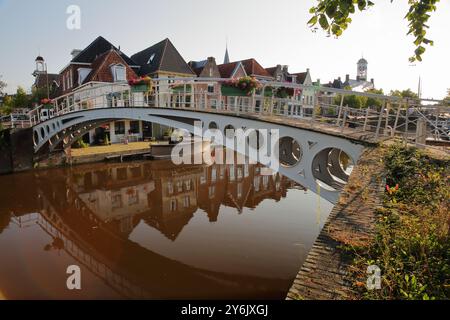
[{"x": 154, "y": 230}]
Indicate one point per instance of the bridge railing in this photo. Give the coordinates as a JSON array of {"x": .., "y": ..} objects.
[{"x": 389, "y": 117}]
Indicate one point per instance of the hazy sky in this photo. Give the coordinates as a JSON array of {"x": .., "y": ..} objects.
[{"x": 273, "y": 32}]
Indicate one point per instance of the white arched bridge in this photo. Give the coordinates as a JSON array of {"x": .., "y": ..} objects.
[{"x": 312, "y": 137}]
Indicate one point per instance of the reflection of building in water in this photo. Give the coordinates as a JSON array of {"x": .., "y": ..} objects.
[
  {"x": 174, "y": 201},
  {"x": 117, "y": 193},
  {"x": 166, "y": 196}
]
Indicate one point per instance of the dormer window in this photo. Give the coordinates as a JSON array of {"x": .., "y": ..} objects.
[
  {"x": 82, "y": 74},
  {"x": 150, "y": 60},
  {"x": 119, "y": 72}
]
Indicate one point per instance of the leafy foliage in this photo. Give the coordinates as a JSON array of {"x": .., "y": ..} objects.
[
  {"x": 412, "y": 244},
  {"x": 408, "y": 93},
  {"x": 333, "y": 16},
  {"x": 3, "y": 85}
]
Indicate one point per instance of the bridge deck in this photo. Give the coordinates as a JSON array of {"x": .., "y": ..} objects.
[
  {"x": 354, "y": 134},
  {"x": 324, "y": 275}
]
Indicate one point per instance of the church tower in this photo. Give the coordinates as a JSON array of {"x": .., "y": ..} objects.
[
  {"x": 227, "y": 57},
  {"x": 361, "y": 74},
  {"x": 40, "y": 66}
]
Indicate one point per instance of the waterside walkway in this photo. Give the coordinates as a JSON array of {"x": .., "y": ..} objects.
[{"x": 324, "y": 274}]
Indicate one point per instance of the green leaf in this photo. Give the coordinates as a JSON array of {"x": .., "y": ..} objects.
[
  {"x": 323, "y": 21},
  {"x": 312, "y": 21}
]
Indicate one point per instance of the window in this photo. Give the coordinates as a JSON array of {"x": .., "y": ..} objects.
[
  {"x": 116, "y": 200},
  {"x": 133, "y": 198},
  {"x": 239, "y": 173},
  {"x": 239, "y": 190},
  {"x": 82, "y": 75},
  {"x": 150, "y": 60},
  {"x": 170, "y": 187},
  {"x": 119, "y": 72},
  {"x": 186, "y": 202},
  {"x": 70, "y": 78},
  {"x": 187, "y": 184},
  {"x": 246, "y": 173},
  {"x": 232, "y": 173},
  {"x": 211, "y": 191},
  {"x": 173, "y": 205},
  {"x": 210, "y": 88},
  {"x": 134, "y": 127},
  {"x": 256, "y": 182},
  {"x": 119, "y": 127}
]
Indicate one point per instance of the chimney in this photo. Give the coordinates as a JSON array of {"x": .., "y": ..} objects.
[
  {"x": 211, "y": 59},
  {"x": 285, "y": 69},
  {"x": 318, "y": 82},
  {"x": 373, "y": 81},
  {"x": 75, "y": 52},
  {"x": 347, "y": 78}
]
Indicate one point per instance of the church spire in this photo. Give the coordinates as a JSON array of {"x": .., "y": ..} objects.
[{"x": 227, "y": 57}]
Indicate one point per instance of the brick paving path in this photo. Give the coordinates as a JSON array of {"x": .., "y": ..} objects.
[{"x": 324, "y": 274}]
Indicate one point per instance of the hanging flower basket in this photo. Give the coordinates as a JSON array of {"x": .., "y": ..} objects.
[
  {"x": 268, "y": 91},
  {"x": 47, "y": 103},
  {"x": 284, "y": 92},
  {"x": 244, "y": 86},
  {"x": 141, "y": 84}
]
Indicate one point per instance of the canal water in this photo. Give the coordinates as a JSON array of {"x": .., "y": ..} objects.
[{"x": 154, "y": 230}]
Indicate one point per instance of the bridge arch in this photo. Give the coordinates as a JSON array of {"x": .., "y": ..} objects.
[{"x": 307, "y": 144}]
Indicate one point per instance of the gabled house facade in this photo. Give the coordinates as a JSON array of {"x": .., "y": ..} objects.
[
  {"x": 206, "y": 93},
  {"x": 85, "y": 65},
  {"x": 101, "y": 62},
  {"x": 162, "y": 60}
]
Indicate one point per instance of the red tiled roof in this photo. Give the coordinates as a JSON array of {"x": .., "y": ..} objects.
[
  {"x": 253, "y": 68},
  {"x": 226, "y": 70},
  {"x": 271, "y": 71}
]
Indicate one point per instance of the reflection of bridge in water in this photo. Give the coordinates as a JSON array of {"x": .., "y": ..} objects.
[{"x": 91, "y": 213}]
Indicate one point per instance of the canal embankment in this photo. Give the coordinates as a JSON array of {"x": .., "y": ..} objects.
[
  {"x": 16, "y": 150},
  {"x": 393, "y": 215}
]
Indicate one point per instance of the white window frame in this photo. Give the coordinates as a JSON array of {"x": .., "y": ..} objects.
[{"x": 115, "y": 68}]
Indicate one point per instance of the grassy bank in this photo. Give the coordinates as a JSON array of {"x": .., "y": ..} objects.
[{"x": 411, "y": 246}]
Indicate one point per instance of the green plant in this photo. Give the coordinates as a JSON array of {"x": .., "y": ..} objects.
[
  {"x": 80, "y": 144},
  {"x": 334, "y": 16},
  {"x": 106, "y": 140},
  {"x": 411, "y": 244}
]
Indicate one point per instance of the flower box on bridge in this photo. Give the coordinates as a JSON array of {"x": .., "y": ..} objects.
[
  {"x": 140, "y": 88},
  {"x": 47, "y": 104},
  {"x": 233, "y": 92},
  {"x": 142, "y": 84}
]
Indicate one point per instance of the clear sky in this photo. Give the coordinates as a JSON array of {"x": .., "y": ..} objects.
[{"x": 273, "y": 32}]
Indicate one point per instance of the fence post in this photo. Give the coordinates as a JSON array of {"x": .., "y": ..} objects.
[
  {"x": 340, "y": 111},
  {"x": 366, "y": 119},
  {"x": 344, "y": 119},
  {"x": 388, "y": 107},
  {"x": 421, "y": 132},
  {"x": 396, "y": 119},
  {"x": 380, "y": 117}
]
